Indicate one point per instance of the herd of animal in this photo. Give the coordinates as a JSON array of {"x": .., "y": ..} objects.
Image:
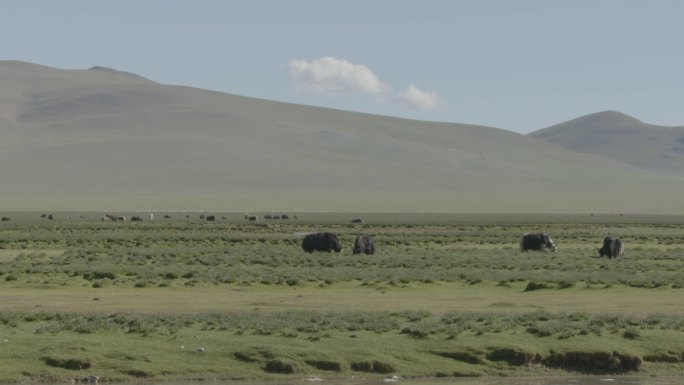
[
  {"x": 612, "y": 247},
  {"x": 329, "y": 242}
]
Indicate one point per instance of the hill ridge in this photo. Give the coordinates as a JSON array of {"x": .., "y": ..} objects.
[
  {"x": 608, "y": 115},
  {"x": 87, "y": 139},
  {"x": 621, "y": 137}
]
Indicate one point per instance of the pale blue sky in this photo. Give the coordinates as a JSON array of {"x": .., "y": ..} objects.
[{"x": 519, "y": 65}]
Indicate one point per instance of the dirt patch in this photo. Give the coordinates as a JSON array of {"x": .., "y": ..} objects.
[
  {"x": 138, "y": 373},
  {"x": 593, "y": 362},
  {"x": 245, "y": 357},
  {"x": 372, "y": 367},
  {"x": 513, "y": 357},
  {"x": 467, "y": 357},
  {"x": 69, "y": 363},
  {"x": 583, "y": 362},
  {"x": 127, "y": 357},
  {"x": 325, "y": 365},
  {"x": 281, "y": 366},
  {"x": 532, "y": 286}
]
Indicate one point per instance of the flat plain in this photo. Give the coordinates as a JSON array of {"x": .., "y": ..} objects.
[{"x": 180, "y": 297}]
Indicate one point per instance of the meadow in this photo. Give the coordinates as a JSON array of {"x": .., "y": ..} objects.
[{"x": 184, "y": 298}]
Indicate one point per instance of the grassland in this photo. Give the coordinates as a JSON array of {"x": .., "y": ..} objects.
[{"x": 446, "y": 295}]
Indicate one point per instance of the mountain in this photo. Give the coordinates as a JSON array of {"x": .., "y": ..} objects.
[
  {"x": 621, "y": 137},
  {"x": 102, "y": 139}
]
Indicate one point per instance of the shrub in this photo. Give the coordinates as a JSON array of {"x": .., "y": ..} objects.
[
  {"x": 89, "y": 276},
  {"x": 331, "y": 366},
  {"x": 372, "y": 367},
  {"x": 68, "y": 363},
  {"x": 532, "y": 286},
  {"x": 631, "y": 334},
  {"x": 281, "y": 366}
]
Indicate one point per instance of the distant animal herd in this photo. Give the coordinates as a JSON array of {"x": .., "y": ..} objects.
[
  {"x": 329, "y": 242},
  {"x": 364, "y": 244},
  {"x": 612, "y": 247}
]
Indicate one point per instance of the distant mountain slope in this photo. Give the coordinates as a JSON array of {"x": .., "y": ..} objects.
[
  {"x": 104, "y": 139},
  {"x": 624, "y": 138}
]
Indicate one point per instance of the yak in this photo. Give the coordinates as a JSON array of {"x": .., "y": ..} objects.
[
  {"x": 538, "y": 242},
  {"x": 321, "y": 242},
  {"x": 364, "y": 244},
  {"x": 612, "y": 248}
]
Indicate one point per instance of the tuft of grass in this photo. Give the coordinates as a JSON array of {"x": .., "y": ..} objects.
[{"x": 532, "y": 286}]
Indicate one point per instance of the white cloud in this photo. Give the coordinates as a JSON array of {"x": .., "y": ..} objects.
[
  {"x": 329, "y": 74},
  {"x": 424, "y": 100}
]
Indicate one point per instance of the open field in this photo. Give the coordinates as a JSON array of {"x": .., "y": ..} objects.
[{"x": 445, "y": 295}]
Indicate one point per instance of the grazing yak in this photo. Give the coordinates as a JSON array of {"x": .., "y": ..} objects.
[
  {"x": 612, "y": 248},
  {"x": 113, "y": 218},
  {"x": 538, "y": 242},
  {"x": 364, "y": 244},
  {"x": 321, "y": 242}
]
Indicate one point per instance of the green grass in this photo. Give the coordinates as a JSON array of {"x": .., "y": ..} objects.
[
  {"x": 194, "y": 253},
  {"x": 444, "y": 296},
  {"x": 332, "y": 344}
]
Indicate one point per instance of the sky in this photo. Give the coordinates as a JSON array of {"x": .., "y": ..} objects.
[{"x": 518, "y": 65}]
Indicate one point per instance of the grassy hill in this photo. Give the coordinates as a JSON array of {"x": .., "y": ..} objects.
[
  {"x": 621, "y": 137},
  {"x": 102, "y": 139}
]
